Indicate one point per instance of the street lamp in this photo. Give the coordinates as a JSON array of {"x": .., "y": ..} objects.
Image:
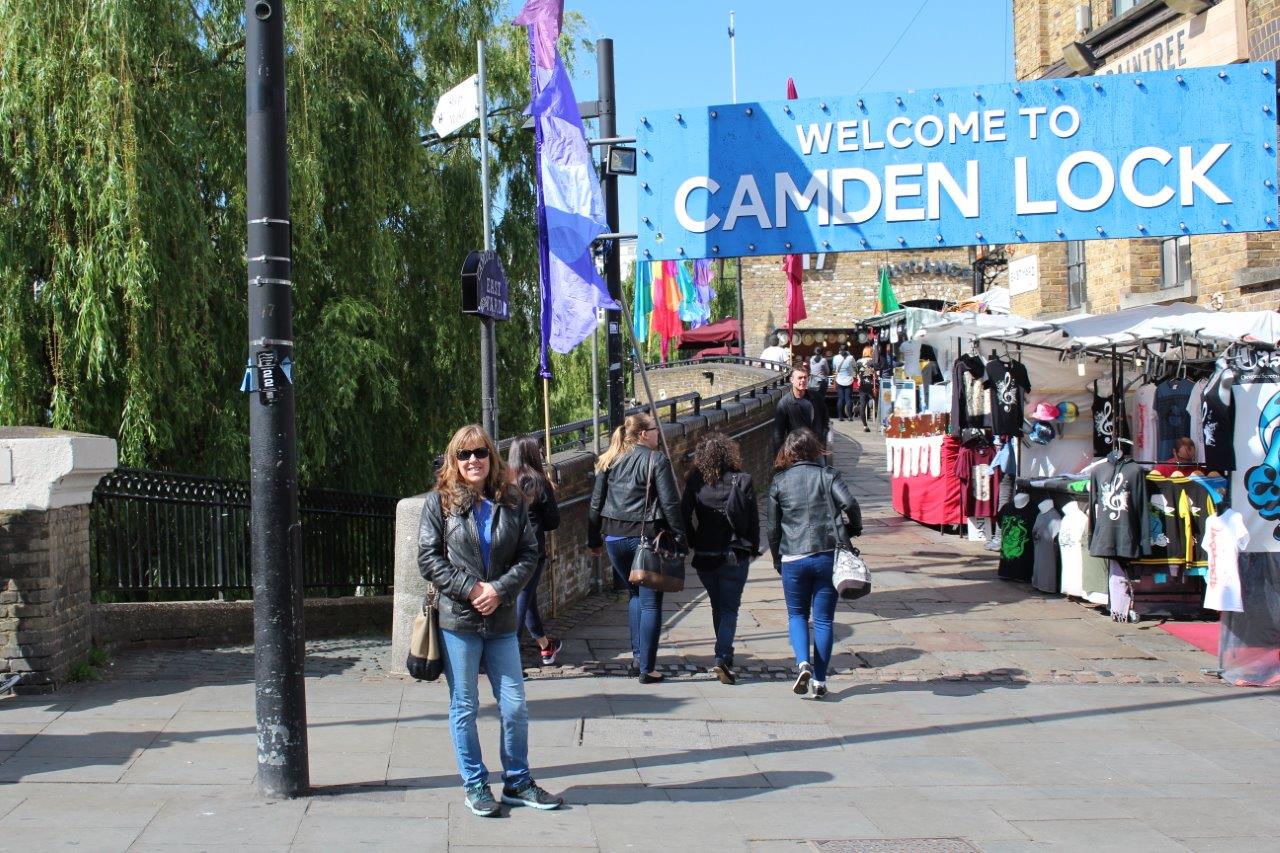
[{"x": 620, "y": 160}]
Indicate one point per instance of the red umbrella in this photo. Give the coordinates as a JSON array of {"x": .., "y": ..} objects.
[{"x": 793, "y": 265}]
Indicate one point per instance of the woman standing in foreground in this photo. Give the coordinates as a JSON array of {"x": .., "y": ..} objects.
[
  {"x": 719, "y": 508},
  {"x": 526, "y": 473},
  {"x": 476, "y": 545},
  {"x": 807, "y": 507},
  {"x": 635, "y": 490}
]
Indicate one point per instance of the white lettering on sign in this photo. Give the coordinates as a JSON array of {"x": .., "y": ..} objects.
[{"x": 1023, "y": 274}]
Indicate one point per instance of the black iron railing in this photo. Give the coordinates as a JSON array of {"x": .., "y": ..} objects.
[{"x": 157, "y": 535}]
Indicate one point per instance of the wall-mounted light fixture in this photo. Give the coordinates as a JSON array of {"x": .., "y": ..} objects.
[{"x": 1080, "y": 58}]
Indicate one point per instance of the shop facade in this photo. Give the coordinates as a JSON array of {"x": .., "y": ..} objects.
[{"x": 1071, "y": 38}]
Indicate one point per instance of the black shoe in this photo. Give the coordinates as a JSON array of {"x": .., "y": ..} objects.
[
  {"x": 529, "y": 794},
  {"x": 481, "y": 802},
  {"x": 650, "y": 677},
  {"x": 725, "y": 673},
  {"x": 819, "y": 690},
  {"x": 633, "y": 671},
  {"x": 801, "y": 687},
  {"x": 866, "y": 429}
]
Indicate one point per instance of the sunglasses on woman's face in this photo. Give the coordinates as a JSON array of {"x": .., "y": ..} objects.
[
  {"x": 650, "y": 429},
  {"x": 479, "y": 453}
]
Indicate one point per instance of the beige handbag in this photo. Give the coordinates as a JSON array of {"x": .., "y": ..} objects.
[{"x": 426, "y": 647}]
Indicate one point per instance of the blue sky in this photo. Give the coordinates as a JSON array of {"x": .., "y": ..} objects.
[{"x": 671, "y": 53}]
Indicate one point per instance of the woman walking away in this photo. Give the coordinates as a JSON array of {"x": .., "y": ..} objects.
[
  {"x": 525, "y": 471},
  {"x": 635, "y": 489},
  {"x": 719, "y": 509},
  {"x": 806, "y": 509},
  {"x": 477, "y": 546}
]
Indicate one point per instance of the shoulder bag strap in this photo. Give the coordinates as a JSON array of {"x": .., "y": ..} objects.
[{"x": 648, "y": 486}]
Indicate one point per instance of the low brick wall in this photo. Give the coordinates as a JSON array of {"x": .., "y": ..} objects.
[
  {"x": 215, "y": 623},
  {"x": 573, "y": 573},
  {"x": 709, "y": 380}
]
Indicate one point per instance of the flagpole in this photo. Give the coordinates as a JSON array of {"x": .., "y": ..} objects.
[
  {"x": 488, "y": 338},
  {"x": 733, "y": 78},
  {"x": 733, "y": 59}
]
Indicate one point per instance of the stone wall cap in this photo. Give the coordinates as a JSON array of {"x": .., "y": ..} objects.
[{"x": 43, "y": 469}]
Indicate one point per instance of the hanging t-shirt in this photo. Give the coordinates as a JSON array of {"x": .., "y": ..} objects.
[
  {"x": 1144, "y": 423},
  {"x": 1017, "y": 557},
  {"x": 1104, "y": 424},
  {"x": 973, "y": 470},
  {"x": 1044, "y": 533},
  {"x": 1217, "y": 425},
  {"x": 1172, "y": 418},
  {"x": 1118, "y": 510},
  {"x": 1083, "y": 575},
  {"x": 968, "y": 397},
  {"x": 1255, "y": 486},
  {"x": 1008, "y": 383},
  {"x": 1195, "y": 411},
  {"x": 1225, "y": 537}
]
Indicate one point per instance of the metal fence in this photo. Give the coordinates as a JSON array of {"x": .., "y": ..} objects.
[{"x": 157, "y": 535}]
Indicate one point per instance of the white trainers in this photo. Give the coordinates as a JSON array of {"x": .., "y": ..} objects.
[
  {"x": 801, "y": 687},
  {"x": 993, "y": 544}
]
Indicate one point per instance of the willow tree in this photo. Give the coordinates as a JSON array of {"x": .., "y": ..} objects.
[{"x": 122, "y": 226}]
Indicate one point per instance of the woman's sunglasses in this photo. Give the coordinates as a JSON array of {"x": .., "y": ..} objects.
[{"x": 479, "y": 453}]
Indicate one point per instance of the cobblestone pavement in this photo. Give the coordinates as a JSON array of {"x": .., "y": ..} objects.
[{"x": 964, "y": 717}]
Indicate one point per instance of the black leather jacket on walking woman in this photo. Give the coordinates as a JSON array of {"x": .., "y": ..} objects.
[
  {"x": 618, "y": 497},
  {"x": 544, "y": 514},
  {"x": 800, "y": 517},
  {"x": 449, "y": 557}
]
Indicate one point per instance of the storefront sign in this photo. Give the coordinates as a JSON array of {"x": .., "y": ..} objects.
[
  {"x": 920, "y": 266},
  {"x": 1216, "y": 36},
  {"x": 1123, "y": 156},
  {"x": 484, "y": 286},
  {"x": 1023, "y": 274}
]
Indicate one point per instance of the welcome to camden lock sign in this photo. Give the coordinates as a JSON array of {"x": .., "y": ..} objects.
[{"x": 1125, "y": 155}]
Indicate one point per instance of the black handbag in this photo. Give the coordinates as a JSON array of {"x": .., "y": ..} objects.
[
  {"x": 426, "y": 646},
  {"x": 659, "y": 560}
]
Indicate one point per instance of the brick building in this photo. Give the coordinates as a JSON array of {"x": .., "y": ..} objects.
[
  {"x": 1065, "y": 38},
  {"x": 840, "y": 289}
]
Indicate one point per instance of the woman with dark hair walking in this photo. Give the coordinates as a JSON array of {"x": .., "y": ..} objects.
[
  {"x": 635, "y": 489},
  {"x": 477, "y": 547},
  {"x": 719, "y": 510},
  {"x": 526, "y": 472},
  {"x": 810, "y": 511}
]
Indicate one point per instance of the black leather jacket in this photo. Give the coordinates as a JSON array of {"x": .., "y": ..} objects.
[
  {"x": 449, "y": 557},
  {"x": 619, "y": 495},
  {"x": 800, "y": 515}
]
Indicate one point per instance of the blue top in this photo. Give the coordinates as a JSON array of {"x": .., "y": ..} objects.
[{"x": 483, "y": 510}]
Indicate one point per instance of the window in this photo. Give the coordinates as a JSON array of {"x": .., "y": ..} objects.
[
  {"x": 1122, "y": 6},
  {"x": 1076, "y": 292},
  {"x": 1175, "y": 262}
]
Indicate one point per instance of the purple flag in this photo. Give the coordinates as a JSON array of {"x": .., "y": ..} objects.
[{"x": 570, "y": 206}]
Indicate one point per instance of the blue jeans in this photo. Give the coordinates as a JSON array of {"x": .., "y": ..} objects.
[
  {"x": 644, "y": 606},
  {"x": 844, "y": 401},
  {"x": 724, "y": 589},
  {"x": 463, "y": 655},
  {"x": 527, "y": 614},
  {"x": 807, "y": 586}
]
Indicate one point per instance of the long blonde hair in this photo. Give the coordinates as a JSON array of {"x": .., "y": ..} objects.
[
  {"x": 624, "y": 439},
  {"x": 455, "y": 494}
]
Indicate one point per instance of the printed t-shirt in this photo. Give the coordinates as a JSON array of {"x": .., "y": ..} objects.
[
  {"x": 1225, "y": 537},
  {"x": 1104, "y": 425},
  {"x": 973, "y": 470},
  {"x": 1144, "y": 423},
  {"x": 1217, "y": 426},
  {"x": 1172, "y": 418},
  {"x": 1195, "y": 411},
  {"x": 1044, "y": 532},
  {"x": 1008, "y": 383},
  {"x": 1017, "y": 557},
  {"x": 1118, "y": 510}
]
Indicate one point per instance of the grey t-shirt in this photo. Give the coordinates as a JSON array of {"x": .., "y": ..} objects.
[{"x": 1044, "y": 533}]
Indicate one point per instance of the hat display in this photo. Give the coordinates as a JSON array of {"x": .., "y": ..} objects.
[
  {"x": 1045, "y": 412},
  {"x": 1041, "y": 433},
  {"x": 1068, "y": 412}
]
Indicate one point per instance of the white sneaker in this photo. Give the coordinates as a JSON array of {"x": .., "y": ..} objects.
[
  {"x": 993, "y": 544},
  {"x": 801, "y": 687}
]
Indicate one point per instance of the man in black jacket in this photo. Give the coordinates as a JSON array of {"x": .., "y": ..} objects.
[{"x": 802, "y": 407}]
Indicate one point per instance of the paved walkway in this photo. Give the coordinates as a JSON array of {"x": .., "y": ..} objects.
[{"x": 961, "y": 719}]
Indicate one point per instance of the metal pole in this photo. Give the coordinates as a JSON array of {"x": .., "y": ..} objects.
[
  {"x": 488, "y": 336},
  {"x": 595, "y": 385},
  {"x": 612, "y": 261},
  {"x": 275, "y": 534},
  {"x": 742, "y": 323},
  {"x": 733, "y": 58}
]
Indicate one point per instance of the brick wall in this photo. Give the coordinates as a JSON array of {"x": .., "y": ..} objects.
[
  {"x": 668, "y": 382},
  {"x": 44, "y": 600},
  {"x": 843, "y": 291}
]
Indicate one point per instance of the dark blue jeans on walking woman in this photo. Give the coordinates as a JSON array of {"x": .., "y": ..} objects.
[
  {"x": 844, "y": 401},
  {"x": 807, "y": 586},
  {"x": 527, "y": 614},
  {"x": 644, "y": 607},
  {"x": 724, "y": 585}
]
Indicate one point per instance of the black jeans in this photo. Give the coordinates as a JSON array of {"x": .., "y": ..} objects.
[
  {"x": 527, "y": 614},
  {"x": 724, "y": 584}
]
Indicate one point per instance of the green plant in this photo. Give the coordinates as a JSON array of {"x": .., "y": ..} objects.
[
  {"x": 82, "y": 672},
  {"x": 98, "y": 657}
]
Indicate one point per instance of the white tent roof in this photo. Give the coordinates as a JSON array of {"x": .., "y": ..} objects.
[{"x": 1145, "y": 323}]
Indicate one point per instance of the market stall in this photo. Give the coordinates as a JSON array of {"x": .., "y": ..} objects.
[{"x": 1145, "y": 442}]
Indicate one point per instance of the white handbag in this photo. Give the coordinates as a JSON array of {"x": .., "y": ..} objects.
[{"x": 851, "y": 577}]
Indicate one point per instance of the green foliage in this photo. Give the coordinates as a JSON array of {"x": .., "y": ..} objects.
[{"x": 122, "y": 227}]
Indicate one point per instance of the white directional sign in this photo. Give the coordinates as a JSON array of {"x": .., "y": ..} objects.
[{"x": 457, "y": 107}]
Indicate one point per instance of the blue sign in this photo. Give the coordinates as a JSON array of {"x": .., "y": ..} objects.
[{"x": 1124, "y": 155}]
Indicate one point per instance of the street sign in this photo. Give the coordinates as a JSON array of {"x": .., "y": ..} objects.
[
  {"x": 457, "y": 107},
  {"x": 1118, "y": 156},
  {"x": 484, "y": 286}
]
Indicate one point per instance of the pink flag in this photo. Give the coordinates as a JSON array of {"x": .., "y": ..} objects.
[{"x": 793, "y": 265}]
